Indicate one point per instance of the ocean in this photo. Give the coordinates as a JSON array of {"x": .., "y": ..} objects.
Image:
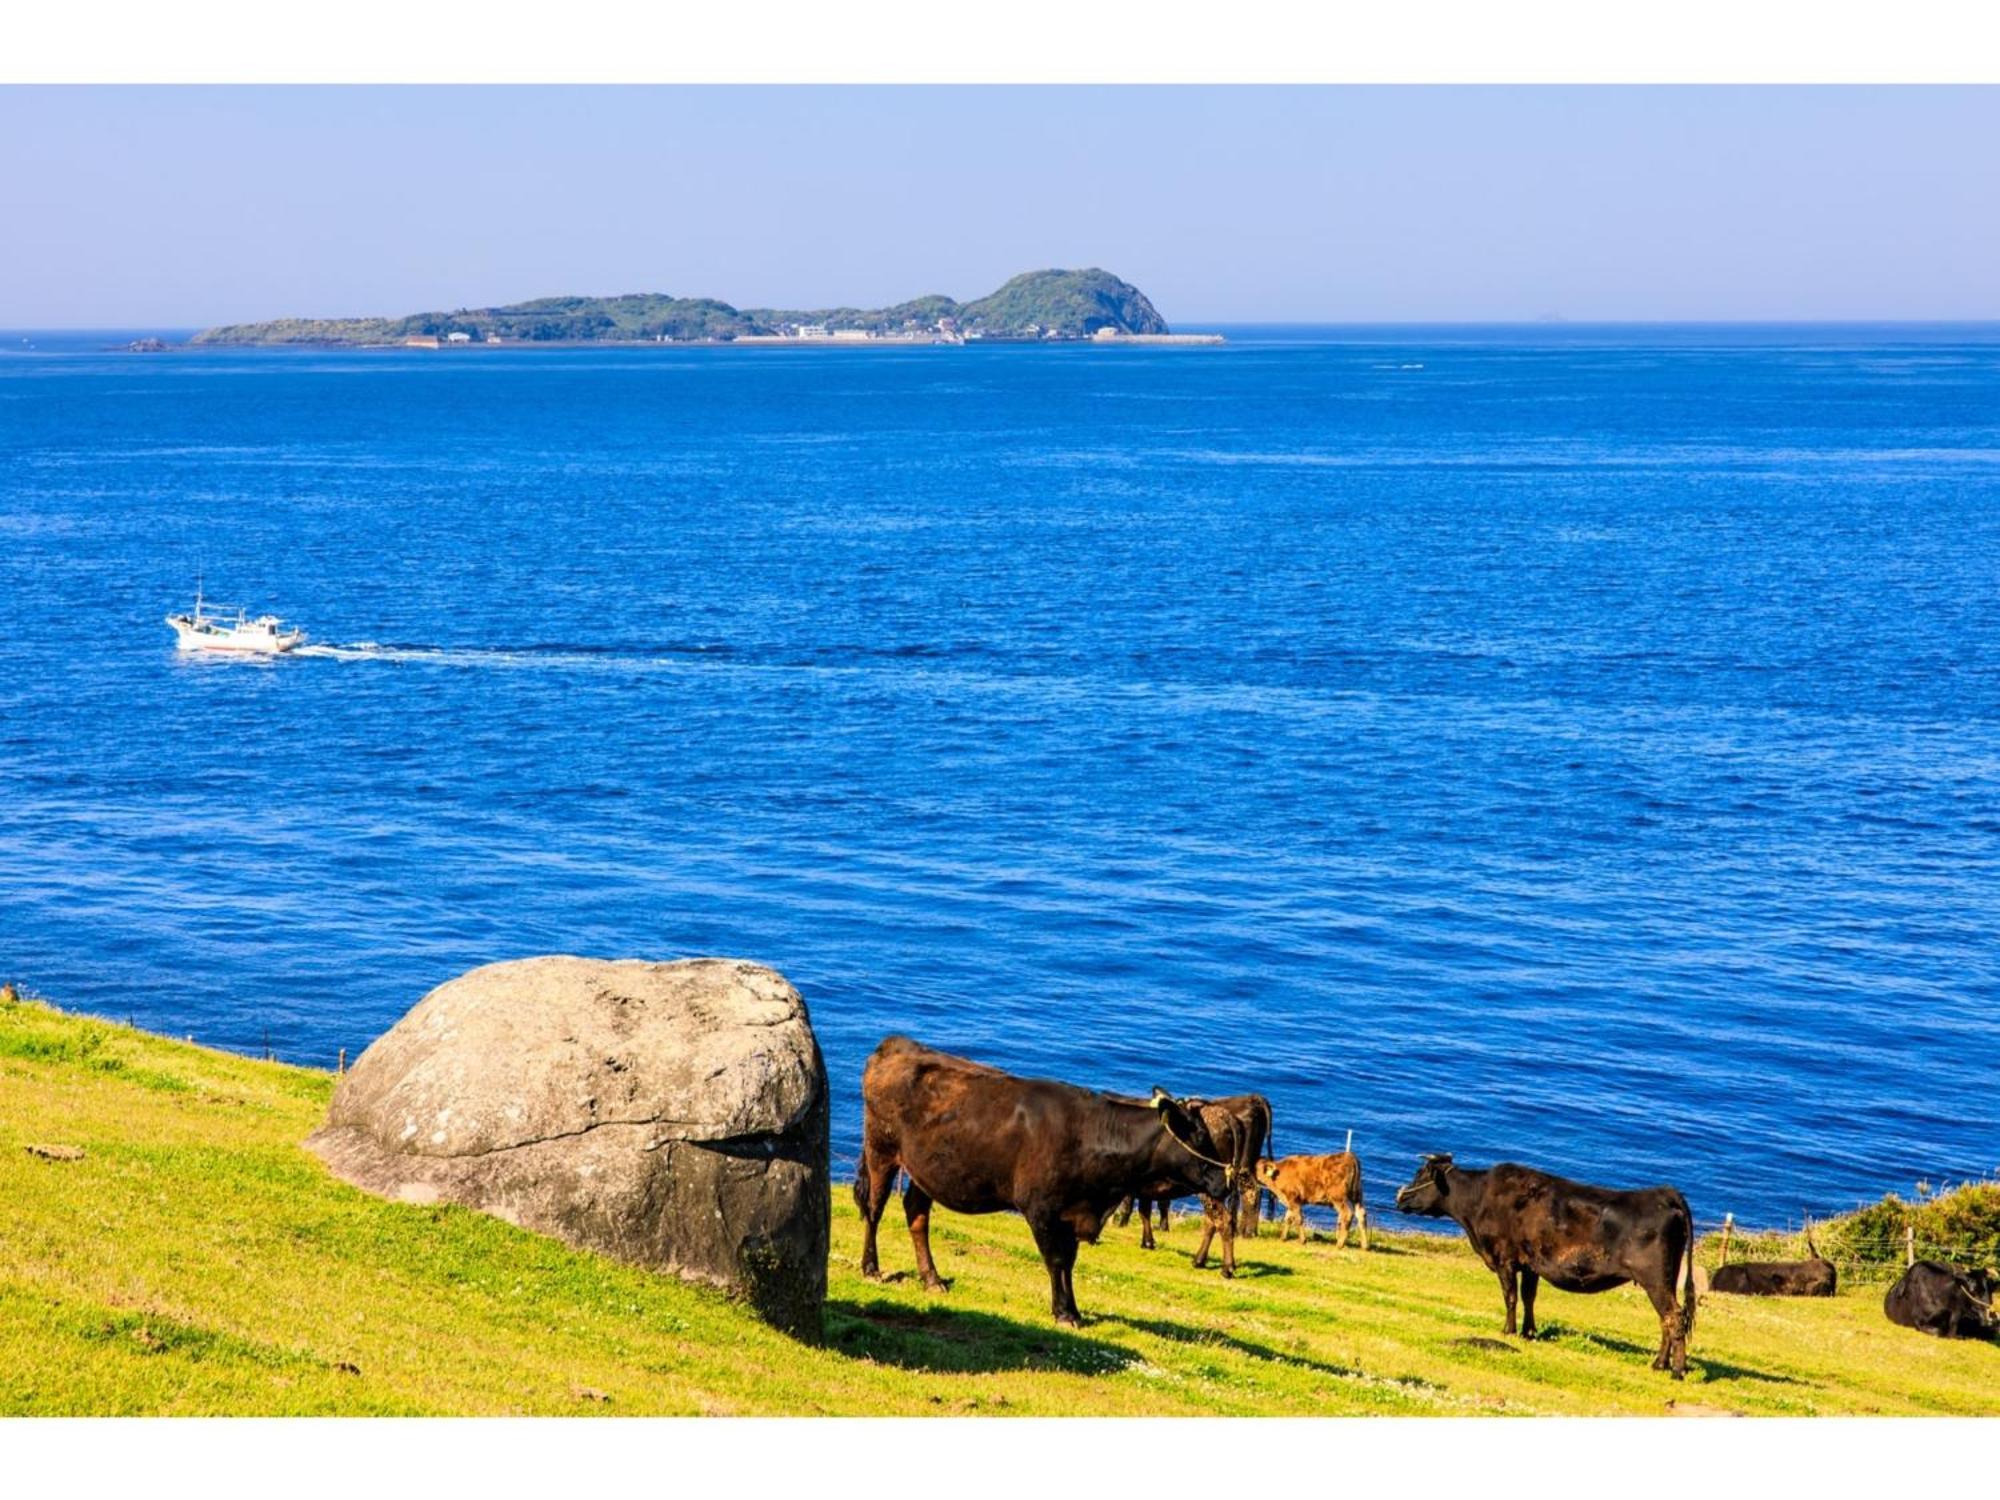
[{"x": 1579, "y": 746}]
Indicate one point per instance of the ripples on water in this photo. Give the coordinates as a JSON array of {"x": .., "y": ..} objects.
[{"x": 1579, "y": 749}]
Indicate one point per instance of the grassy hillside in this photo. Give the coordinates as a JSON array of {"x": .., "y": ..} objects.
[{"x": 195, "y": 1260}]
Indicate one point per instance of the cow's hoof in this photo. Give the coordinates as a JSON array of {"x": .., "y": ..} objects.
[
  {"x": 1066, "y": 1321},
  {"x": 937, "y": 1284},
  {"x": 1227, "y": 1274},
  {"x": 871, "y": 1273}
]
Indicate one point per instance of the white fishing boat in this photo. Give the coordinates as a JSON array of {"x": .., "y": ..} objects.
[{"x": 212, "y": 627}]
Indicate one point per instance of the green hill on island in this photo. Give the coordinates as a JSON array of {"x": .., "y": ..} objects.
[{"x": 1063, "y": 304}]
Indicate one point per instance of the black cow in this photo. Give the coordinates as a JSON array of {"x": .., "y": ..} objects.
[
  {"x": 1815, "y": 1277},
  {"x": 1581, "y": 1238},
  {"x": 1239, "y": 1125},
  {"x": 978, "y": 1140},
  {"x": 1952, "y": 1302}
]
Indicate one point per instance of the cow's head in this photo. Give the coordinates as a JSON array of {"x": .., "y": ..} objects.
[
  {"x": 1425, "y": 1193},
  {"x": 1267, "y": 1172},
  {"x": 1210, "y": 1171}
]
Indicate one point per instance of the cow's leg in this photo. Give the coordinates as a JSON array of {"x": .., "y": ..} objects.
[
  {"x": 1361, "y": 1213},
  {"x": 917, "y": 1209},
  {"x": 1163, "y": 1204},
  {"x": 1507, "y": 1291},
  {"x": 1295, "y": 1218},
  {"x": 1208, "y": 1211},
  {"x": 1226, "y": 1211},
  {"x": 1124, "y": 1213},
  {"x": 1673, "y": 1343},
  {"x": 1057, "y": 1242},
  {"x": 1529, "y": 1281},
  {"x": 1346, "y": 1212},
  {"x": 1146, "y": 1224},
  {"x": 1249, "y": 1212},
  {"x": 872, "y": 1185}
]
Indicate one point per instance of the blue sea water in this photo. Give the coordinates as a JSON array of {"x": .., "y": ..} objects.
[{"x": 1574, "y": 745}]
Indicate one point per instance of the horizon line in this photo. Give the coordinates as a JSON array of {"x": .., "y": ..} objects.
[{"x": 1192, "y": 325}]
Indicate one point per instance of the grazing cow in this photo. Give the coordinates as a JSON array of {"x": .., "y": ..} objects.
[
  {"x": 1814, "y": 1277},
  {"x": 979, "y": 1140},
  {"x": 1949, "y": 1301},
  {"x": 1239, "y": 1125},
  {"x": 1583, "y": 1239},
  {"x": 1332, "y": 1181}
]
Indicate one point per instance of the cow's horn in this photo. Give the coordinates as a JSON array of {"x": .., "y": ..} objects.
[{"x": 1161, "y": 1098}]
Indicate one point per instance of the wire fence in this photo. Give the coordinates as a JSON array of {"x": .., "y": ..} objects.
[{"x": 1861, "y": 1254}]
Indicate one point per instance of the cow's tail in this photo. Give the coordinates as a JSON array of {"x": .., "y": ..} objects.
[
  {"x": 1687, "y": 1274},
  {"x": 1812, "y": 1249},
  {"x": 1257, "y": 1140},
  {"x": 1269, "y": 1149},
  {"x": 861, "y": 1186}
]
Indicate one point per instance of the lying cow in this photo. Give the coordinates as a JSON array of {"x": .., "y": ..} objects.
[
  {"x": 978, "y": 1140},
  {"x": 1949, "y": 1301},
  {"x": 1581, "y": 1238},
  {"x": 1239, "y": 1125},
  {"x": 1332, "y": 1181},
  {"x": 1814, "y": 1277}
]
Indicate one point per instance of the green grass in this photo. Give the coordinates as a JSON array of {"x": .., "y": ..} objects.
[{"x": 196, "y": 1260}]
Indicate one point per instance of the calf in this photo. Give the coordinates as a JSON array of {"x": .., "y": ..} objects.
[
  {"x": 1530, "y": 1224},
  {"x": 979, "y": 1140},
  {"x": 1239, "y": 1125},
  {"x": 1949, "y": 1301},
  {"x": 1814, "y": 1277},
  {"x": 1332, "y": 1181}
]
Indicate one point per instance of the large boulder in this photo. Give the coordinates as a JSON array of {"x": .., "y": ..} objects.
[{"x": 671, "y": 1114}]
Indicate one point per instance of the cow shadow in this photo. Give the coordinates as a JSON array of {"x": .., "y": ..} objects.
[
  {"x": 1251, "y": 1270},
  {"x": 1711, "y": 1369},
  {"x": 1246, "y": 1270},
  {"x": 1718, "y": 1370},
  {"x": 953, "y": 1341},
  {"x": 1181, "y": 1333}
]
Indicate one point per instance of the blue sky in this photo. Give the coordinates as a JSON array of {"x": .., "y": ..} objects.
[{"x": 187, "y": 206}]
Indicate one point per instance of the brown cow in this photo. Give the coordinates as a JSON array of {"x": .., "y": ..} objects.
[
  {"x": 1332, "y": 1181},
  {"x": 1530, "y": 1224},
  {"x": 1239, "y": 1125},
  {"x": 979, "y": 1140}
]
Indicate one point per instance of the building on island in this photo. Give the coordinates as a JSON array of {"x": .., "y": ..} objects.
[
  {"x": 421, "y": 341},
  {"x": 458, "y": 338}
]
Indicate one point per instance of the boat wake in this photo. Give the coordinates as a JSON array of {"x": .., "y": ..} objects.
[{"x": 486, "y": 656}]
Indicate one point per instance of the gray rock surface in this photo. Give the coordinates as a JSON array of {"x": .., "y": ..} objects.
[{"x": 670, "y": 1114}]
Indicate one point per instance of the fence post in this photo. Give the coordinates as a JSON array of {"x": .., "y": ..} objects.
[
  {"x": 341, "y": 1066},
  {"x": 1909, "y": 1244},
  {"x": 1728, "y": 1224}
]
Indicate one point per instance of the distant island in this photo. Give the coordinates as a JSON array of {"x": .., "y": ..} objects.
[{"x": 1090, "y": 304}]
